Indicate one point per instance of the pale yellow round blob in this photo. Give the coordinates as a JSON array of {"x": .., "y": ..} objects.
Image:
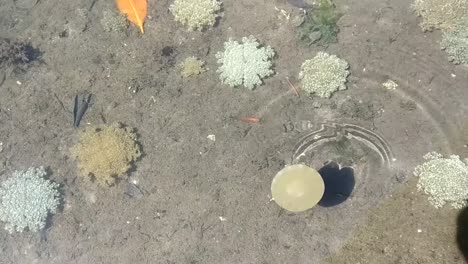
[{"x": 297, "y": 188}]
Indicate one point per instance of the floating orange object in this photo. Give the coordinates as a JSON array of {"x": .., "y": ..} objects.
[
  {"x": 250, "y": 120},
  {"x": 135, "y": 10}
]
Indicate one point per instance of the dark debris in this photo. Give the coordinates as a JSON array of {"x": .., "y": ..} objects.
[{"x": 13, "y": 53}]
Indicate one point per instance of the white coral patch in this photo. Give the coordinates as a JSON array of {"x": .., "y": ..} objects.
[
  {"x": 245, "y": 63},
  {"x": 445, "y": 180},
  {"x": 324, "y": 74},
  {"x": 26, "y": 199}
]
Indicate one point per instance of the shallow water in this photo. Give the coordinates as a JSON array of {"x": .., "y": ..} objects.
[{"x": 201, "y": 191}]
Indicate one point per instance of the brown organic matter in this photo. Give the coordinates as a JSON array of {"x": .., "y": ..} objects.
[
  {"x": 106, "y": 152},
  {"x": 17, "y": 53}
]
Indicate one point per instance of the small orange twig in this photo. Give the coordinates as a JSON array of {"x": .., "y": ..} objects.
[
  {"x": 292, "y": 87},
  {"x": 250, "y": 119}
]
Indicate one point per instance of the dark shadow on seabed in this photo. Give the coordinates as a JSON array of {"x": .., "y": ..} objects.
[
  {"x": 462, "y": 232},
  {"x": 339, "y": 184}
]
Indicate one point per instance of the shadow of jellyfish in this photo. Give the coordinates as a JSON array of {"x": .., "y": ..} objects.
[
  {"x": 462, "y": 232},
  {"x": 339, "y": 184}
]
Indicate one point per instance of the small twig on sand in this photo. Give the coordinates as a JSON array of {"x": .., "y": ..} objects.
[
  {"x": 292, "y": 87},
  {"x": 250, "y": 119}
]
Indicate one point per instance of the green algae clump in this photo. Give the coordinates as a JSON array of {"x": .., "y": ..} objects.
[
  {"x": 297, "y": 188},
  {"x": 321, "y": 24},
  {"x": 106, "y": 152}
]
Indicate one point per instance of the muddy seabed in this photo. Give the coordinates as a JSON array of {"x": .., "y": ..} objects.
[{"x": 194, "y": 200}]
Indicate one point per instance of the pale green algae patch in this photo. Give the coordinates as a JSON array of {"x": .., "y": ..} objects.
[
  {"x": 445, "y": 180},
  {"x": 196, "y": 14},
  {"x": 324, "y": 74},
  {"x": 455, "y": 43},
  {"x": 246, "y": 63},
  {"x": 26, "y": 200}
]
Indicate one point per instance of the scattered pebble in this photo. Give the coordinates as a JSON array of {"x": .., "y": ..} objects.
[
  {"x": 390, "y": 85},
  {"x": 316, "y": 104}
]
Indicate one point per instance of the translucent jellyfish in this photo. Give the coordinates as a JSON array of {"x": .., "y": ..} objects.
[{"x": 297, "y": 188}]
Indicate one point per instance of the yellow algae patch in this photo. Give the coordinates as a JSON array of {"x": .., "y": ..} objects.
[
  {"x": 106, "y": 152},
  {"x": 192, "y": 66}
]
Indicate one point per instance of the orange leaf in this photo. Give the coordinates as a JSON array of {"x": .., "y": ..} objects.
[{"x": 135, "y": 10}]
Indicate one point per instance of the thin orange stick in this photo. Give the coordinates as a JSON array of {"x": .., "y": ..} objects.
[
  {"x": 250, "y": 119},
  {"x": 292, "y": 87}
]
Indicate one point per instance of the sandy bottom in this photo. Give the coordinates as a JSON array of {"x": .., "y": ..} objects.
[{"x": 190, "y": 199}]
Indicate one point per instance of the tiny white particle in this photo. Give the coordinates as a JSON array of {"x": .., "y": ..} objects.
[
  {"x": 419, "y": 230},
  {"x": 222, "y": 219},
  {"x": 211, "y": 137},
  {"x": 390, "y": 85},
  {"x": 128, "y": 222},
  {"x": 453, "y": 75},
  {"x": 18, "y": 82}
]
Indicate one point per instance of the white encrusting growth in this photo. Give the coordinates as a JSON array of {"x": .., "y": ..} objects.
[{"x": 445, "y": 180}]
